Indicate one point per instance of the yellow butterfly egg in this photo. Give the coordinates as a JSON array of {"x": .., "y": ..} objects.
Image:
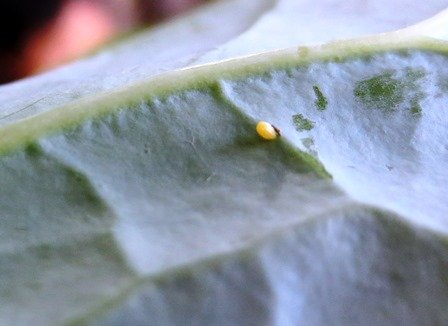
[{"x": 267, "y": 131}]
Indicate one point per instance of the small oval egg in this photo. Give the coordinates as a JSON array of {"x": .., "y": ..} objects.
[{"x": 267, "y": 131}]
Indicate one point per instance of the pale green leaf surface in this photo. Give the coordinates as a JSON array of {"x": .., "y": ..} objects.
[
  {"x": 172, "y": 194},
  {"x": 173, "y": 45},
  {"x": 304, "y": 22},
  {"x": 357, "y": 267},
  {"x": 158, "y": 203},
  {"x": 216, "y": 32},
  {"x": 382, "y": 135}
]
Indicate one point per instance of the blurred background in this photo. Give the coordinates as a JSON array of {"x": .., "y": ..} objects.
[{"x": 37, "y": 35}]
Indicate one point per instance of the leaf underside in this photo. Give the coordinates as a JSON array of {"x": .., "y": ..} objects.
[{"x": 169, "y": 208}]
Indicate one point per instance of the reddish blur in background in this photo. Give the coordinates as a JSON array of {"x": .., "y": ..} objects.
[{"x": 37, "y": 35}]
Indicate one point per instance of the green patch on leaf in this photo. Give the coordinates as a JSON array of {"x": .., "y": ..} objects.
[
  {"x": 382, "y": 91},
  {"x": 416, "y": 109},
  {"x": 443, "y": 84},
  {"x": 388, "y": 90},
  {"x": 321, "y": 102},
  {"x": 308, "y": 142},
  {"x": 414, "y": 74},
  {"x": 301, "y": 123}
]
